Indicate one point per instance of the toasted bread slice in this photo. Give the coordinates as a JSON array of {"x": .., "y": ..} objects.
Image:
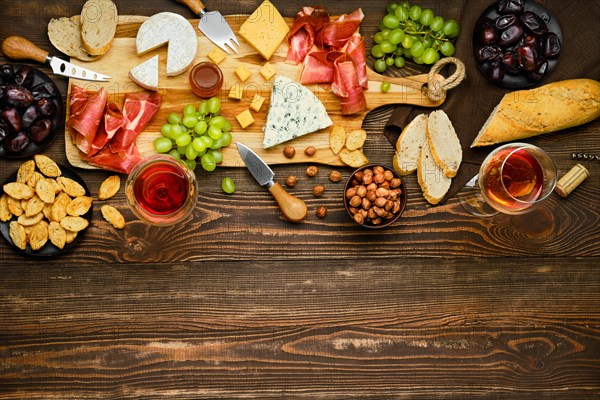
[
  {"x": 444, "y": 143},
  {"x": 408, "y": 146},
  {"x": 98, "y": 26},
  {"x": 434, "y": 183},
  {"x": 65, "y": 34}
]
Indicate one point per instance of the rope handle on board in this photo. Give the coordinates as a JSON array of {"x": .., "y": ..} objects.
[{"x": 436, "y": 89}]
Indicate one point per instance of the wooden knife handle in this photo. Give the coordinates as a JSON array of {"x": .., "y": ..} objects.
[
  {"x": 19, "y": 48},
  {"x": 195, "y": 5},
  {"x": 292, "y": 207}
]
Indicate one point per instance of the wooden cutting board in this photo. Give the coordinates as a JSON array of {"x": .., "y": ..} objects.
[{"x": 177, "y": 93}]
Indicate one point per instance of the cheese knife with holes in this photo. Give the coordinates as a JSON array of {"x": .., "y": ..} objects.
[
  {"x": 292, "y": 207},
  {"x": 19, "y": 48}
]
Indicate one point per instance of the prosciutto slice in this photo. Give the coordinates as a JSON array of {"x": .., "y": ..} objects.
[
  {"x": 138, "y": 110},
  {"x": 111, "y": 123},
  {"x": 331, "y": 52},
  {"x": 86, "y": 109},
  {"x": 118, "y": 162},
  {"x": 301, "y": 38}
]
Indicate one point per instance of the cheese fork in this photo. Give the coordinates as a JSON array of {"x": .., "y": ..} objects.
[{"x": 213, "y": 25}]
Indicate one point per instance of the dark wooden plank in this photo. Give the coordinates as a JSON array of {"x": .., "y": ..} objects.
[{"x": 473, "y": 328}]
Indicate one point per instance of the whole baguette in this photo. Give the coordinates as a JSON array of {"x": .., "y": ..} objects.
[{"x": 549, "y": 108}]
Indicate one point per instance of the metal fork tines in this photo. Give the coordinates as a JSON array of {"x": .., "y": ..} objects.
[
  {"x": 227, "y": 42},
  {"x": 585, "y": 156}
]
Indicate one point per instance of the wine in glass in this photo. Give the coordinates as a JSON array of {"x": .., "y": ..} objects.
[{"x": 513, "y": 179}]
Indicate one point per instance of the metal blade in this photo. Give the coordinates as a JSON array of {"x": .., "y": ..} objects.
[
  {"x": 65, "y": 68},
  {"x": 214, "y": 27},
  {"x": 257, "y": 167}
]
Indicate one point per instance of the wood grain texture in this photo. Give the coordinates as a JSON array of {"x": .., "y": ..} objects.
[
  {"x": 176, "y": 94},
  {"x": 239, "y": 303},
  {"x": 302, "y": 330}
]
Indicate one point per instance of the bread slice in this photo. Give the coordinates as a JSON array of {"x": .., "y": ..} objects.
[
  {"x": 64, "y": 34},
  {"x": 548, "y": 108},
  {"x": 434, "y": 183},
  {"x": 408, "y": 146},
  {"x": 98, "y": 25},
  {"x": 444, "y": 143},
  {"x": 146, "y": 74}
]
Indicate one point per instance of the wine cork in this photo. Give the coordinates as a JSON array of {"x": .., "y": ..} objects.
[{"x": 571, "y": 180}]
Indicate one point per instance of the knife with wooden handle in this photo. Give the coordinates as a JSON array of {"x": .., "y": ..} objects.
[
  {"x": 19, "y": 48},
  {"x": 292, "y": 207}
]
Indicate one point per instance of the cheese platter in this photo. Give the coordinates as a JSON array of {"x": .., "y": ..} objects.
[{"x": 176, "y": 93}]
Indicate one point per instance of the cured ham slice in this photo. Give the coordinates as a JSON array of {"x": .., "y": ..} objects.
[
  {"x": 86, "y": 110},
  {"x": 348, "y": 89},
  {"x": 111, "y": 123},
  {"x": 118, "y": 162},
  {"x": 332, "y": 52},
  {"x": 138, "y": 110},
  {"x": 301, "y": 38}
]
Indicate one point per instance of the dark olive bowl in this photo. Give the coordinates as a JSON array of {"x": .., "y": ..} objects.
[{"x": 385, "y": 222}]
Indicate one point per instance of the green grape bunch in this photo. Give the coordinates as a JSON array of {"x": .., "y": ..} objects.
[
  {"x": 199, "y": 134},
  {"x": 409, "y": 32}
]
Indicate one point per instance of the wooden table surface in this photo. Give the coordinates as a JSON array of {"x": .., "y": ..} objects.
[{"x": 239, "y": 303}]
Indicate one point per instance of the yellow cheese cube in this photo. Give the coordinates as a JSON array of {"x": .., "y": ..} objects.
[
  {"x": 265, "y": 29},
  {"x": 217, "y": 55},
  {"x": 267, "y": 71},
  {"x": 245, "y": 118},
  {"x": 236, "y": 92},
  {"x": 257, "y": 102},
  {"x": 243, "y": 73}
]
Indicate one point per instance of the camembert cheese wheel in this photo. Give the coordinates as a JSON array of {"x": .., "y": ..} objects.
[{"x": 174, "y": 30}]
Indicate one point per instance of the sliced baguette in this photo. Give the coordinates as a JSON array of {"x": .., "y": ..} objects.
[
  {"x": 444, "y": 143},
  {"x": 146, "y": 74},
  {"x": 548, "y": 108},
  {"x": 98, "y": 26},
  {"x": 434, "y": 183},
  {"x": 64, "y": 34},
  {"x": 408, "y": 146}
]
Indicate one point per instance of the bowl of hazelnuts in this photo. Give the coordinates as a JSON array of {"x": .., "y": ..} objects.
[{"x": 375, "y": 196}]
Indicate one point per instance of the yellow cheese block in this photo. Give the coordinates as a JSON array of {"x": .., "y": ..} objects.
[
  {"x": 245, "y": 118},
  {"x": 236, "y": 92},
  {"x": 257, "y": 102},
  {"x": 243, "y": 73},
  {"x": 217, "y": 55},
  {"x": 267, "y": 71},
  {"x": 265, "y": 29}
]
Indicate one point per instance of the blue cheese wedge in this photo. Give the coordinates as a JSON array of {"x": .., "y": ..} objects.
[
  {"x": 294, "y": 112},
  {"x": 146, "y": 74},
  {"x": 174, "y": 30}
]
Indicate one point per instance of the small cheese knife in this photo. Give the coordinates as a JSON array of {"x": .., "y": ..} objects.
[
  {"x": 292, "y": 207},
  {"x": 19, "y": 48}
]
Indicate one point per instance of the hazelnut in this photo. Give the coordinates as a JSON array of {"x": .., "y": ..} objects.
[
  {"x": 289, "y": 151},
  {"x": 382, "y": 192},
  {"x": 356, "y": 201},
  {"x": 388, "y": 215},
  {"x": 372, "y": 186},
  {"x": 335, "y": 176},
  {"x": 385, "y": 185},
  {"x": 396, "y": 208},
  {"x": 376, "y": 221},
  {"x": 371, "y": 195},
  {"x": 350, "y": 193},
  {"x": 381, "y": 202},
  {"x": 388, "y": 205},
  {"x": 321, "y": 211},
  {"x": 366, "y": 204},
  {"x": 312, "y": 170},
  {"x": 355, "y": 182},
  {"x": 367, "y": 171},
  {"x": 371, "y": 214},
  {"x": 394, "y": 183},
  {"x": 378, "y": 170},
  {"x": 359, "y": 218},
  {"x": 310, "y": 151},
  {"x": 318, "y": 190},
  {"x": 353, "y": 210},
  {"x": 361, "y": 191},
  {"x": 378, "y": 178},
  {"x": 389, "y": 175},
  {"x": 379, "y": 211},
  {"x": 291, "y": 181},
  {"x": 359, "y": 175},
  {"x": 367, "y": 178},
  {"x": 364, "y": 213},
  {"x": 393, "y": 195}
]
